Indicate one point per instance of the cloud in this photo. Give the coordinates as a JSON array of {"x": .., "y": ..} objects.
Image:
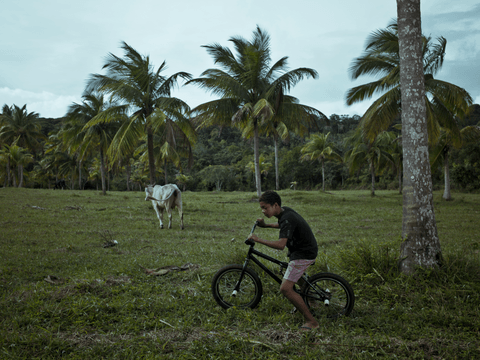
[{"x": 44, "y": 103}]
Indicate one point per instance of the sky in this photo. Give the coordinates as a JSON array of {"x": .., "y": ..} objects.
[{"x": 49, "y": 48}]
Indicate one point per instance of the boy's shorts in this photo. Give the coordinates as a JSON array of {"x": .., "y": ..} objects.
[{"x": 296, "y": 268}]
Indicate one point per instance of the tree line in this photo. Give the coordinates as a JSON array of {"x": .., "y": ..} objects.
[{"x": 129, "y": 131}]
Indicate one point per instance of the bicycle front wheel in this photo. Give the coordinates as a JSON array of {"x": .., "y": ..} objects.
[
  {"x": 328, "y": 295},
  {"x": 248, "y": 294}
]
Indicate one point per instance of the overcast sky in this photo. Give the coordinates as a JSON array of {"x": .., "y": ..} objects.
[{"x": 50, "y": 47}]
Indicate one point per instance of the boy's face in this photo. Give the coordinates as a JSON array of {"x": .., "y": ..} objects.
[{"x": 270, "y": 210}]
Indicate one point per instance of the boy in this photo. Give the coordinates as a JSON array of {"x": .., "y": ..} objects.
[{"x": 297, "y": 236}]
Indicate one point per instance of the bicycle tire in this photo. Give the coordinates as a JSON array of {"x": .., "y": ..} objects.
[
  {"x": 341, "y": 298},
  {"x": 223, "y": 284}
]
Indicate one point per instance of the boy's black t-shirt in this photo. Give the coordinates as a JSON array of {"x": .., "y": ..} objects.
[{"x": 301, "y": 242}]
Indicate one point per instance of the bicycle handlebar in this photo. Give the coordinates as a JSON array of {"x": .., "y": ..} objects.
[{"x": 250, "y": 241}]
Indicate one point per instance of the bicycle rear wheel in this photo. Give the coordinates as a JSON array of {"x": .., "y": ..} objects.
[
  {"x": 223, "y": 285},
  {"x": 330, "y": 295}
]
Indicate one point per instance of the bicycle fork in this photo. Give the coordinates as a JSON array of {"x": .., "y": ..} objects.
[
  {"x": 242, "y": 274},
  {"x": 245, "y": 264}
]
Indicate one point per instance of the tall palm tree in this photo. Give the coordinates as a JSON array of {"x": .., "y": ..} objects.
[
  {"x": 421, "y": 245},
  {"x": 20, "y": 125},
  {"x": 373, "y": 153},
  {"x": 19, "y": 157},
  {"x": 249, "y": 88},
  {"x": 134, "y": 81},
  {"x": 16, "y": 124},
  {"x": 320, "y": 148},
  {"x": 396, "y": 152},
  {"x": 444, "y": 100},
  {"x": 439, "y": 155},
  {"x": 85, "y": 132}
]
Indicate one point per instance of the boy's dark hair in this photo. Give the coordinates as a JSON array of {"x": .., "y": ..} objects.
[{"x": 270, "y": 197}]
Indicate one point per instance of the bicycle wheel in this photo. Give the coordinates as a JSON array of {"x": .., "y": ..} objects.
[
  {"x": 331, "y": 295},
  {"x": 223, "y": 285}
]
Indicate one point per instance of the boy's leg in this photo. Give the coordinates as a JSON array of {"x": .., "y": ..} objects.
[
  {"x": 295, "y": 270},
  {"x": 287, "y": 290}
]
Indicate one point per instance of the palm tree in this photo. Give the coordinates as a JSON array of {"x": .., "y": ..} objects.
[
  {"x": 374, "y": 153},
  {"x": 84, "y": 131},
  {"x": 133, "y": 80},
  {"x": 263, "y": 164},
  {"x": 54, "y": 156},
  {"x": 439, "y": 155},
  {"x": 19, "y": 158},
  {"x": 22, "y": 126},
  {"x": 320, "y": 148},
  {"x": 396, "y": 152},
  {"x": 182, "y": 180},
  {"x": 444, "y": 100},
  {"x": 251, "y": 94},
  {"x": 173, "y": 141},
  {"x": 16, "y": 124},
  {"x": 421, "y": 245}
]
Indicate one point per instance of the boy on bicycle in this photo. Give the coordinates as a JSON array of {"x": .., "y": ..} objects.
[{"x": 296, "y": 235}]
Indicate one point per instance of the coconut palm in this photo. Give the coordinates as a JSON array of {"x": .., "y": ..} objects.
[
  {"x": 373, "y": 153},
  {"x": 16, "y": 124},
  {"x": 421, "y": 245},
  {"x": 134, "y": 81},
  {"x": 173, "y": 141},
  {"x": 21, "y": 126},
  {"x": 439, "y": 155},
  {"x": 83, "y": 132},
  {"x": 320, "y": 148},
  {"x": 251, "y": 94},
  {"x": 182, "y": 180},
  {"x": 444, "y": 100},
  {"x": 264, "y": 166},
  {"x": 19, "y": 158}
]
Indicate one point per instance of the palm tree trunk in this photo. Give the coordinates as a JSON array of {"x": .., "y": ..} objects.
[
  {"x": 8, "y": 172},
  {"x": 165, "y": 170},
  {"x": 277, "y": 172},
  {"x": 421, "y": 245},
  {"x": 20, "y": 176},
  {"x": 258, "y": 180},
  {"x": 372, "y": 173},
  {"x": 151, "y": 159},
  {"x": 102, "y": 171},
  {"x": 446, "y": 193},
  {"x": 323, "y": 175},
  {"x": 80, "y": 174},
  {"x": 128, "y": 170}
]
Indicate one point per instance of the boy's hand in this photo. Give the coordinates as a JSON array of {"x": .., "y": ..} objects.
[
  {"x": 253, "y": 237},
  {"x": 261, "y": 222}
]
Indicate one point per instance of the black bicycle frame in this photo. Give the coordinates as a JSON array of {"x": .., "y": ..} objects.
[
  {"x": 283, "y": 264},
  {"x": 250, "y": 256}
]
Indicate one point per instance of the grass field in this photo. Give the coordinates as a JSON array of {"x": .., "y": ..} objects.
[{"x": 65, "y": 295}]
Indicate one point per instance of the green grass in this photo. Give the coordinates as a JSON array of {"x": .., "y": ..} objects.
[{"x": 64, "y": 295}]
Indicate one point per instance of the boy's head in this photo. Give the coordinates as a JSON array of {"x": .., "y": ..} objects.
[
  {"x": 270, "y": 197},
  {"x": 270, "y": 203}
]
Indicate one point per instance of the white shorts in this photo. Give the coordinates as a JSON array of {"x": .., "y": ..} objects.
[{"x": 296, "y": 268}]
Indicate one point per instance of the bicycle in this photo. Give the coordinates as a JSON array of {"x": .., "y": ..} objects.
[{"x": 240, "y": 286}]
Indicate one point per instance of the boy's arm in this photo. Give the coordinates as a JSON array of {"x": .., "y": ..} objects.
[
  {"x": 275, "y": 244},
  {"x": 262, "y": 224}
]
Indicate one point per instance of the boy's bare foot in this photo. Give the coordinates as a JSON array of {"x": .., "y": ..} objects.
[{"x": 309, "y": 326}]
